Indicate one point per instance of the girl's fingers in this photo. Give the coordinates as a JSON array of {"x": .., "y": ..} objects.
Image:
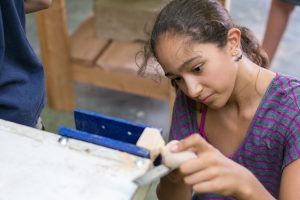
[
  {"x": 192, "y": 166},
  {"x": 194, "y": 142},
  {"x": 206, "y": 187},
  {"x": 203, "y": 161},
  {"x": 213, "y": 186},
  {"x": 200, "y": 176}
]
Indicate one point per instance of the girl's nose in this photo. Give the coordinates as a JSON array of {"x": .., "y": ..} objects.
[{"x": 194, "y": 88}]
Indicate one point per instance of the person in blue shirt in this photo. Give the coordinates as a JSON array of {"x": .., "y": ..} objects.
[{"x": 21, "y": 73}]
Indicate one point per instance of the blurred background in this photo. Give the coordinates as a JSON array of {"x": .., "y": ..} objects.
[{"x": 153, "y": 112}]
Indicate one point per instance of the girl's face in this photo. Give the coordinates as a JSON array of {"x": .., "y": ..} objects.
[{"x": 203, "y": 72}]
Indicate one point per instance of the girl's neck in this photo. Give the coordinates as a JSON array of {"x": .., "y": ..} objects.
[{"x": 251, "y": 84}]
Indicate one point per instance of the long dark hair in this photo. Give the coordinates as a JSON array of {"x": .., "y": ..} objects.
[{"x": 204, "y": 21}]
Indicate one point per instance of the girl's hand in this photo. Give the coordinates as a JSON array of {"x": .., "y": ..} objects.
[
  {"x": 212, "y": 172},
  {"x": 175, "y": 176}
]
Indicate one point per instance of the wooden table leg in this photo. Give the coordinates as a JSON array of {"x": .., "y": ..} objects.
[{"x": 54, "y": 42}]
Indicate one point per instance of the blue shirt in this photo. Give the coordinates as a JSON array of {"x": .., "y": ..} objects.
[{"x": 21, "y": 73}]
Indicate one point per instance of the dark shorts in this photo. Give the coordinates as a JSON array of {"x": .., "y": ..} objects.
[{"x": 294, "y": 2}]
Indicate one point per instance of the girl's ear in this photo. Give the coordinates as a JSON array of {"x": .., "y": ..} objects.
[{"x": 234, "y": 40}]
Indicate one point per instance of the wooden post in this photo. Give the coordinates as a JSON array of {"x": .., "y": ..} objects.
[
  {"x": 54, "y": 42},
  {"x": 226, "y": 4}
]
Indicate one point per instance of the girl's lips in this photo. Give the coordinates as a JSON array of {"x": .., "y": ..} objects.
[{"x": 206, "y": 99}]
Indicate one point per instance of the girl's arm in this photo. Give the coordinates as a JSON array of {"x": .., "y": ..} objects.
[
  {"x": 172, "y": 187},
  {"x": 289, "y": 186},
  {"x": 36, "y": 5},
  {"x": 290, "y": 182}
]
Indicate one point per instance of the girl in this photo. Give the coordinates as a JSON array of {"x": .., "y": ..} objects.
[{"x": 240, "y": 119}]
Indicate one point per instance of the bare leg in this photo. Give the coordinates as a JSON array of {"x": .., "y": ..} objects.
[{"x": 276, "y": 25}]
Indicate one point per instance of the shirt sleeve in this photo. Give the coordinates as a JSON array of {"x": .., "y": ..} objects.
[
  {"x": 292, "y": 143},
  {"x": 173, "y": 134},
  {"x": 183, "y": 121}
]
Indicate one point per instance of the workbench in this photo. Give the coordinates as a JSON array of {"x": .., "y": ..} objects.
[{"x": 39, "y": 165}]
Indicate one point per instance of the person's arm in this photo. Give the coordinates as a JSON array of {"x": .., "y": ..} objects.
[
  {"x": 36, "y": 5},
  {"x": 172, "y": 187},
  {"x": 289, "y": 185},
  {"x": 277, "y": 21},
  {"x": 290, "y": 182}
]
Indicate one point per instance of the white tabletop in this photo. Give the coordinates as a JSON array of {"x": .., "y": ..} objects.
[{"x": 35, "y": 166}]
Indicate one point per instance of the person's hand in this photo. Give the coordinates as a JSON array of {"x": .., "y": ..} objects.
[
  {"x": 211, "y": 171},
  {"x": 36, "y": 5}
]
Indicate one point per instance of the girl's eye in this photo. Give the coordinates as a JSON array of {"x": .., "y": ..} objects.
[
  {"x": 198, "y": 68},
  {"x": 176, "y": 79}
]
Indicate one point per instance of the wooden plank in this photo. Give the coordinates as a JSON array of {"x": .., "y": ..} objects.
[
  {"x": 86, "y": 47},
  {"x": 226, "y": 3},
  {"x": 120, "y": 56},
  {"x": 123, "y": 82},
  {"x": 55, "y": 56},
  {"x": 36, "y": 166},
  {"x": 125, "y": 20},
  {"x": 125, "y": 57}
]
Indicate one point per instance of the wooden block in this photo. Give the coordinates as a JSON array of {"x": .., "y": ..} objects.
[{"x": 152, "y": 140}]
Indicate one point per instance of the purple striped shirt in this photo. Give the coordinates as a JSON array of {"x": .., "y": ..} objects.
[{"x": 272, "y": 140}]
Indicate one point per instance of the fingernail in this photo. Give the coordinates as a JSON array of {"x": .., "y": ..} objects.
[{"x": 174, "y": 147}]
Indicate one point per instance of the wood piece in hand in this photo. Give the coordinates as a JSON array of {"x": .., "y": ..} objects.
[{"x": 174, "y": 160}]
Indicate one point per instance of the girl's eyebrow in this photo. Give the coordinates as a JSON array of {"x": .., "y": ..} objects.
[{"x": 185, "y": 63}]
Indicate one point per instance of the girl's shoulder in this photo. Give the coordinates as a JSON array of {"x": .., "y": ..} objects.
[
  {"x": 285, "y": 89},
  {"x": 283, "y": 105}
]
